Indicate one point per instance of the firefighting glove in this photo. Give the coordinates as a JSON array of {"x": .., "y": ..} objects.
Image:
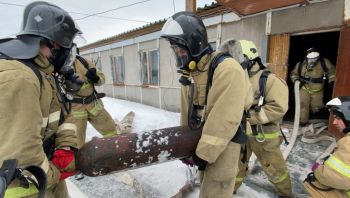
[
  {"x": 64, "y": 160},
  {"x": 315, "y": 166},
  {"x": 202, "y": 164},
  {"x": 92, "y": 75},
  {"x": 310, "y": 177},
  {"x": 188, "y": 161}
]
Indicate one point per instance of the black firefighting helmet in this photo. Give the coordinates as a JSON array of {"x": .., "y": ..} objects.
[
  {"x": 186, "y": 30},
  {"x": 49, "y": 21},
  {"x": 42, "y": 23},
  {"x": 340, "y": 107}
]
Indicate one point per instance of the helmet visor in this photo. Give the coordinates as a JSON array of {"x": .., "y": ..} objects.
[
  {"x": 182, "y": 56},
  {"x": 68, "y": 64},
  {"x": 79, "y": 38}
]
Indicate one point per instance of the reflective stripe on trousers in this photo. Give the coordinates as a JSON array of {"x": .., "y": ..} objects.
[
  {"x": 272, "y": 135},
  {"x": 239, "y": 179},
  {"x": 280, "y": 178},
  {"x": 311, "y": 91},
  {"x": 79, "y": 114}
]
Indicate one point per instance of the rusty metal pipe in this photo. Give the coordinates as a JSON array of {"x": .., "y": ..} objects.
[{"x": 102, "y": 156}]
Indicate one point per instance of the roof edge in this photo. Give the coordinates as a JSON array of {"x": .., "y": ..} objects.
[{"x": 207, "y": 11}]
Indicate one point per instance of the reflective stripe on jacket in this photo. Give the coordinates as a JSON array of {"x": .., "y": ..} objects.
[
  {"x": 32, "y": 116},
  {"x": 335, "y": 172},
  {"x": 229, "y": 95}
]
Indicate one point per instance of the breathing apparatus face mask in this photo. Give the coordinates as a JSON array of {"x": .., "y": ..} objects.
[
  {"x": 63, "y": 60},
  {"x": 311, "y": 62},
  {"x": 247, "y": 64},
  {"x": 184, "y": 63},
  {"x": 312, "y": 59},
  {"x": 182, "y": 56}
]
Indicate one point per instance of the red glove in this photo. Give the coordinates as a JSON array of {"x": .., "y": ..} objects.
[
  {"x": 315, "y": 166},
  {"x": 63, "y": 159},
  {"x": 64, "y": 175}
]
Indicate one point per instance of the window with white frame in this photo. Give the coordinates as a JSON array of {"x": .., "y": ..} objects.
[
  {"x": 118, "y": 69},
  {"x": 149, "y": 67}
]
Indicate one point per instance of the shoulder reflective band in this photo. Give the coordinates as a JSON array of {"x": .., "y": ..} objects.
[
  {"x": 21, "y": 192},
  {"x": 338, "y": 166}
]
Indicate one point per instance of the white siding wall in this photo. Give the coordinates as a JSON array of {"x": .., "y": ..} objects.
[{"x": 253, "y": 28}]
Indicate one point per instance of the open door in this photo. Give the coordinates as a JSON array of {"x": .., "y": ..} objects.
[{"x": 278, "y": 54}]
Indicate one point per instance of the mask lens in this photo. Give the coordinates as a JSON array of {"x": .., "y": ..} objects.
[
  {"x": 70, "y": 58},
  {"x": 181, "y": 55},
  {"x": 311, "y": 62}
]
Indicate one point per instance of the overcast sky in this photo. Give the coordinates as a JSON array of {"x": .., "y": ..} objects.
[{"x": 97, "y": 28}]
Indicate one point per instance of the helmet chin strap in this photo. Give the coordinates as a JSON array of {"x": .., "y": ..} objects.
[
  {"x": 347, "y": 126},
  {"x": 346, "y": 130}
]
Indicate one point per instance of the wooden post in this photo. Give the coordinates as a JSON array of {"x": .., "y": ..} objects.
[
  {"x": 341, "y": 83},
  {"x": 191, "y": 5}
]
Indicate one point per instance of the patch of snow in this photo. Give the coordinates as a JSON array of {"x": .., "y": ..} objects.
[{"x": 163, "y": 156}]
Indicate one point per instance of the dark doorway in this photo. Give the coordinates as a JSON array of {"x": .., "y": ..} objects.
[{"x": 327, "y": 43}]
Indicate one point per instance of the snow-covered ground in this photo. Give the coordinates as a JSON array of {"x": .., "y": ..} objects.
[{"x": 164, "y": 180}]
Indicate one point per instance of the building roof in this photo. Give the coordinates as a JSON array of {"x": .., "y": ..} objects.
[
  {"x": 240, "y": 7},
  {"x": 205, "y": 12},
  {"x": 249, "y": 7}
]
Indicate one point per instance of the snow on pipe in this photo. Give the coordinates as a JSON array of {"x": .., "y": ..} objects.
[
  {"x": 296, "y": 120},
  {"x": 102, "y": 156}
]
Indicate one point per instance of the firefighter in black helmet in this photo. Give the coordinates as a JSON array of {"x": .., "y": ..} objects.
[
  {"x": 217, "y": 85},
  {"x": 44, "y": 46}
]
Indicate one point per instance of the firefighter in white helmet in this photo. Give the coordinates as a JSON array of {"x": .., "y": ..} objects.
[
  {"x": 332, "y": 177},
  {"x": 312, "y": 73}
]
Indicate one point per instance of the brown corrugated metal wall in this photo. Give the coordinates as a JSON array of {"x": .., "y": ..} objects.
[
  {"x": 341, "y": 84},
  {"x": 278, "y": 54},
  {"x": 342, "y": 87}
]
